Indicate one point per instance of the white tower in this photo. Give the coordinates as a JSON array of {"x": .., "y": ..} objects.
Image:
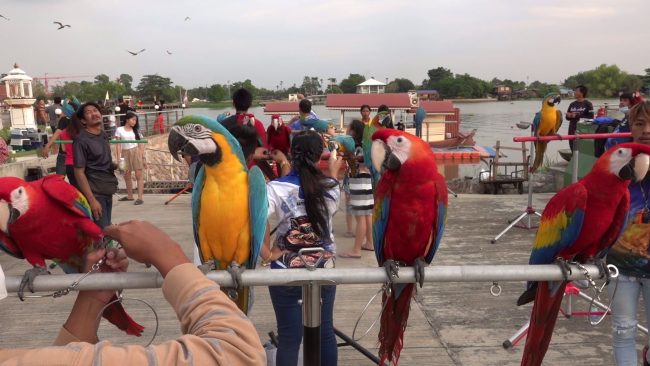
[{"x": 20, "y": 98}]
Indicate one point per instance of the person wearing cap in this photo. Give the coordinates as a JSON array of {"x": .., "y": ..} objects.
[{"x": 54, "y": 112}]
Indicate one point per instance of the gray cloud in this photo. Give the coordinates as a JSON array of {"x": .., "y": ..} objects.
[{"x": 269, "y": 41}]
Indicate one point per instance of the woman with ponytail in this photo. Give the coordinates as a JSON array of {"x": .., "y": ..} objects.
[{"x": 303, "y": 202}]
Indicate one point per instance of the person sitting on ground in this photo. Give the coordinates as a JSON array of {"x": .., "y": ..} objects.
[
  {"x": 215, "y": 331},
  {"x": 242, "y": 100}
]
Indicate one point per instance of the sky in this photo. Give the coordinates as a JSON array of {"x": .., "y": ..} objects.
[{"x": 283, "y": 40}]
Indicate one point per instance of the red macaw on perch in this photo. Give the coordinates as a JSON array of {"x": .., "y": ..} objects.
[
  {"x": 580, "y": 223},
  {"x": 409, "y": 219},
  {"x": 50, "y": 219}
]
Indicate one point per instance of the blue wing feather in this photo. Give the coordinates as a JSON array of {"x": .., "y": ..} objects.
[
  {"x": 382, "y": 208},
  {"x": 536, "y": 121},
  {"x": 259, "y": 207},
  {"x": 197, "y": 188},
  {"x": 442, "y": 219}
]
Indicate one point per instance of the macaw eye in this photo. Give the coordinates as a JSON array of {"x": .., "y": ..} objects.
[
  {"x": 399, "y": 140},
  {"x": 20, "y": 191},
  {"x": 197, "y": 128}
]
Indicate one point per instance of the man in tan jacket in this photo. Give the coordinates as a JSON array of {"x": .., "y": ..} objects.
[{"x": 215, "y": 331}]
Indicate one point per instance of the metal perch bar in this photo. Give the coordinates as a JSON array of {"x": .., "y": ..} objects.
[
  {"x": 293, "y": 277},
  {"x": 110, "y": 141}
]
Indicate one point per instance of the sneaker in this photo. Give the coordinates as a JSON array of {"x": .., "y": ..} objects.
[{"x": 138, "y": 202}]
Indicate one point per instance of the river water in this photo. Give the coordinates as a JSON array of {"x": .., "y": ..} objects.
[{"x": 493, "y": 120}]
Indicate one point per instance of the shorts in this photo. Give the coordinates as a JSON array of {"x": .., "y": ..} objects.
[
  {"x": 361, "y": 198},
  {"x": 133, "y": 159}
]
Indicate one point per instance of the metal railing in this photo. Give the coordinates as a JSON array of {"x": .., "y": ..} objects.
[{"x": 147, "y": 120}]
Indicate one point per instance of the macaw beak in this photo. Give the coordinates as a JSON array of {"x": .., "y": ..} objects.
[
  {"x": 178, "y": 141},
  {"x": 8, "y": 215},
  {"x": 557, "y": 100},
  {"x": 636, "y": 169},
  {"x": 382, "y": 157}
]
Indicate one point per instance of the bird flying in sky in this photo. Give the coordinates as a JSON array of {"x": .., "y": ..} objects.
[
  {"x": 187, "y": 18},
  {"x": 61, "y": 25},
  {"x": 135, "y": 53},
  {"x": 4, "y": 17},
  {"x": 169, "y": 53}
]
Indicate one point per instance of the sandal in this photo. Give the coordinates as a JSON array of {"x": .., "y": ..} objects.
[
  {"x": 125, "y": 199},
  {"x": 138, "y": 202},
  {"x": 347, "y": 255}
]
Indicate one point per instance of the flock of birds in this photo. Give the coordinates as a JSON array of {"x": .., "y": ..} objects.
[{"x": 62, "y": 26}]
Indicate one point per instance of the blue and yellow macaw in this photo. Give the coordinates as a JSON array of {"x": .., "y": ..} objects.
[
  {"x": 229, "y": 203},
  {"x": 347, "y": 147},
  {"x": 579, "y": 223},
  {"x": 547, "y": 122}
]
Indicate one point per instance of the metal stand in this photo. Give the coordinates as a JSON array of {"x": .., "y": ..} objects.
[
  {"x": 452, "y": 192},
  {"x": 311, "y": 306},
  {"x": 348, "y": 341},
  {"x": 569, "y": 293},
  {"x": 529, "y": 211},
  {"x": 187, "y": 187}
]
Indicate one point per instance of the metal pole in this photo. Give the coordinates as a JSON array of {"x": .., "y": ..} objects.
[
  {"x": 311, "y": 309},
  {"x": 336, "y": 276},
  {"x": 575, "y": 161},
  {"x": 572, "y": 137}
]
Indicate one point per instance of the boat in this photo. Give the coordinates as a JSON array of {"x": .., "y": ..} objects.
[{"x": 458, "y": 141}]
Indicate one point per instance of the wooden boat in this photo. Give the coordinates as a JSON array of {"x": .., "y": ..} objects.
[{"x": 461, "y": 140}]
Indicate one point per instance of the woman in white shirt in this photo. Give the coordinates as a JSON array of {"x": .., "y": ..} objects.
[
  {"x": 304, "y": 202},
  {"x": 133, "y": 155}
]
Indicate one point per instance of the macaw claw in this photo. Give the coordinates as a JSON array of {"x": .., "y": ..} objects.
[
  {"x": 565, "y": 267},
  {"x": 602, "y": 267},
  {"x": 419, "y": 267},
  {"x": 28, "y": 280},
  {"x": 235, "y": 271},
  {"x": 392, "y": 270}
]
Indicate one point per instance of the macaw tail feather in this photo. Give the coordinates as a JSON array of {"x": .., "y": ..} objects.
[
  {"x": 393, "y": 324},
  {"x": 118, "y": 316},
  {"x": 542, "y": 322},
  {"x": 540, "y": 149}
]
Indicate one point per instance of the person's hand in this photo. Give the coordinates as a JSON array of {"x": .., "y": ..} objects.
[
  {"x": 116, "y": 261},
  {"x": 96, "y": 208},
  {"x": 278, "y": 156},
  {"x": 261, "y": 153},
  {"x": 294, "y": 119},
  {"x": 276, "y": 253},
  {"x": 46, "y": 151},
  {"x": 334, "y": 164},
  {"x": 146, "y": 243}
]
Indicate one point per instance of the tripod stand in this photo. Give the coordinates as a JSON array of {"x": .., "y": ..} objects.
[
  {"x": 569, "y": 293},
  {"x": 529, "y": 211}
]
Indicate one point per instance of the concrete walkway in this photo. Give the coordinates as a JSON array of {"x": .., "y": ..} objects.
[{"x": 450, "y": 324}]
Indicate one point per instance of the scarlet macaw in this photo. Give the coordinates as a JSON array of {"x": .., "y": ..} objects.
[
  {"x": 50, "y": 219},
  {"x": 229, "y": 204},
  {"x": 581, "y": 222},
  {"x": 409, "y": 220},
  {"x": 547, "y": 122}
]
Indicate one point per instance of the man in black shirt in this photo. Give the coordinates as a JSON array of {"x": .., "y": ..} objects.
[
  {"x": 580, "y": 108},
  {"x": 93, "y": 165}
]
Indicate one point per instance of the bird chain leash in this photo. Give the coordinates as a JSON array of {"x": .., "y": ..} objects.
[{"x": 613, "y": 273}]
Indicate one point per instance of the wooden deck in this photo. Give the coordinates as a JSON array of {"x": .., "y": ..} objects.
[{"x": 450, "y": 324}]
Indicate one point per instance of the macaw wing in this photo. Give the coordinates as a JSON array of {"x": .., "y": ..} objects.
[
  {"x": 346, "y": 142},
  {"x": 8, "y": 246},
  {"x": 197, "y": 187},
  {"x": 441, "y": 199},
  {"x": 536, "y": 121},
  {"x": 560, "y": 224},
  {"x": 380, "y": 221},
  {"x": 66, "y": 195},
  {"x": 419, "y": 116},
  {"x": 558, "y": 120},
  {"x": 259, "y": 208}
]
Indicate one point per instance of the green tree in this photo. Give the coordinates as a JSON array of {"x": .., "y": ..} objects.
[
  {"x": 334, "y": 89},
  {"x": 153, "y": 87},
  {"x": 631, "y": 83},
  {"x": 102, "y": 79},
  {"x": 349, "y": 84},
  {"x": 126, "y": 80},
  {"x": 246, "y": 84},
  {"x": 400, "y": 85},
  {"x": 438, "y": 74},
  {"x": 217, "y": 93},
  {"x": 604, "y": 81},
  {"x": 38, "y": 89},
  {"x": 310, "y": 85},
  {"x": 646, "y": 77}
]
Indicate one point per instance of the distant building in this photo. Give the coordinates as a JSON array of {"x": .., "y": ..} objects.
[
  {"x": 503, "y": 92},
  {"x": 427, "y": 94},
  {"x": 371, "y": 86},
  {"x": 565, "y": 92}
]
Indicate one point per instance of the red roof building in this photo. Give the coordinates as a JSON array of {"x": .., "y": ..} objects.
[
  {"x": 349, "y": 102},
  {"x": 286, "y": 108}
]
